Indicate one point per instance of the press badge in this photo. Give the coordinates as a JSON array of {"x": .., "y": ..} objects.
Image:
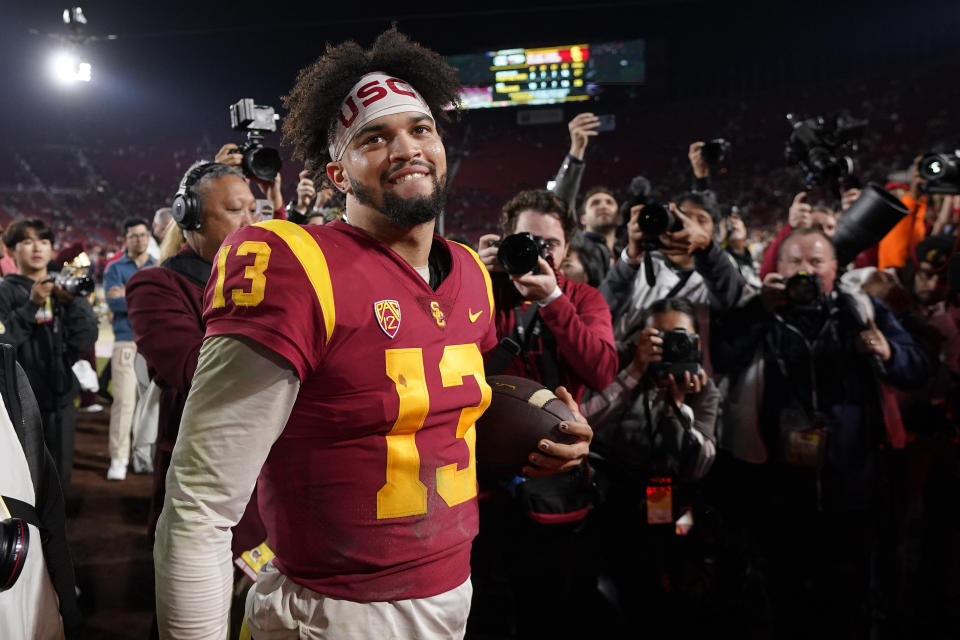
[
  {"x": 802, "y": 440},
  {"x": 250, "y": 562},
  {"x": 660, "y": 503}
]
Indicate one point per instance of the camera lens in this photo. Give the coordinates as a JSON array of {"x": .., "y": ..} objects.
[
  {"x": 518, "y": 254},
  {"x": 655, "y": 220},
  {"x": 14, "y": 542},
  {"x": 262, "y": 162}
]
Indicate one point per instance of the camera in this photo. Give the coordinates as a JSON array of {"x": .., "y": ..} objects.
[
  {"x": 681, "y": 353},
  {"x": 655, "y": 219},
  {"x": 715, "y": 152},
  {"x": 73, "y": 277},
  {"x": 803, "y": 289},
  {"x": 14, "y": 543},
  {"x": 821, "y": 151},
  {"x": 258, "y": 161},
  {"x": 942, "y": 172},
  {"x": 519, "y": 253}
]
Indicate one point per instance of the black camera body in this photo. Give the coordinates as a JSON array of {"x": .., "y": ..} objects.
[
  {"x": 258, "y": 161},
  {"x": 803, "y": 289},
  {"x": 681, "y": 354},
  {"x": 76, "y": 285},
  {"x": 822, "y": 151},
  {"x": 942, "y": 172},
  {"x": 519, "y": 253},
  {"x": 656, "y": 219},
  {"x": 715, "y": 152}
]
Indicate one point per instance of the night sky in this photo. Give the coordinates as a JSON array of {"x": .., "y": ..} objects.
[{"x": 177, "y": 65}]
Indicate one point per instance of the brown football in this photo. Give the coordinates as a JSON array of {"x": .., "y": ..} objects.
[{"x": 521, "y": 413}]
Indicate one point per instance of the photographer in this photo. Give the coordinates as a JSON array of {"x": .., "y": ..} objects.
[
  {"x": 800, "y": 216},
  {"x": 50, "y": 328},
  {"x": 565, "y": 325},
  {"x": 687, "y": 263},
  {"x": 804, "y": 419},
  {"x": 555, "y": 331},
  {"x": 733, "y": 238},
  {"x": 311, "y": 206},
  {"x": 655, "y": 428},
  {"x": 230, "y": 155}
]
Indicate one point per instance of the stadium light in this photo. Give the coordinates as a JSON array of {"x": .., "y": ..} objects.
[{"x": 67, "y": 69}]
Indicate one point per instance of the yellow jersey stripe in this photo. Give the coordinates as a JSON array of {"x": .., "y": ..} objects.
[
  {"x": 486, "y": 278},
  {"x": 314, "y": 264}
]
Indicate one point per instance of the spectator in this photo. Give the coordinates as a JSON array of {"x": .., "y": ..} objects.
[
  {"x": 733, "y": 235},
  {"x": 7, "y": 265},
  {"x": 50, "y": 330},
  {"x": 137, "y": 235},
  {"x": 805, "y": 408}
]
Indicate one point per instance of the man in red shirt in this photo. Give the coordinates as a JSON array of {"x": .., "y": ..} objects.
[{"x": 343, "y": 366}]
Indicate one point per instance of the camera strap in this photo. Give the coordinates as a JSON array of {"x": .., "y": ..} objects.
[
  {"x": 514, "y": 344},
  {"x": 11, "y": 508}
]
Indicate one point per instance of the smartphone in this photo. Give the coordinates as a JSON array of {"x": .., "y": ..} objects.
[{"x": 608, "y": 122}]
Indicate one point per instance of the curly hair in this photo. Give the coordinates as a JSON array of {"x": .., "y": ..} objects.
[
  {"x": 320, "y": 89},
  {"x": 542, "y": 201}
]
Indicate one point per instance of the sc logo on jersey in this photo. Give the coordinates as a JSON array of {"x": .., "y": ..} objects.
[
  {"x": 370, "y": 93},
  {"x": 437, "y": 314}
]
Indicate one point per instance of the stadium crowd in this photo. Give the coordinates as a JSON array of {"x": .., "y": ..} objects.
[{"x": 767, "y": 403}]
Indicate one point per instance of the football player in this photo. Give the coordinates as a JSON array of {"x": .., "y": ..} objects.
[{"x": 343, "y": 366}]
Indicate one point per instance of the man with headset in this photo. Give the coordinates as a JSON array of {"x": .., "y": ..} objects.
[{"x": 213, "y": 201}]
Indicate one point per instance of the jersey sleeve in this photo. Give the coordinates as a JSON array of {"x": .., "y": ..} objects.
[{"x": 270, "y": 284}]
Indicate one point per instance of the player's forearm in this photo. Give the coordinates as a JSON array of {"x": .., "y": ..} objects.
[{"x": 230, "y": 422}]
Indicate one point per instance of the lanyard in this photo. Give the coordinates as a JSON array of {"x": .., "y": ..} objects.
[{"x": 811, "y": 345}]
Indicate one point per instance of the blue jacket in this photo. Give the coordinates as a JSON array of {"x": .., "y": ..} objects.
[{"x": 116, "y": 275}]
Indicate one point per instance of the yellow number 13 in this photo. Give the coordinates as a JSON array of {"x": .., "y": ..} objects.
[
  {"x": 253, "y": 273},
  {"x": 404, "y": 494}
]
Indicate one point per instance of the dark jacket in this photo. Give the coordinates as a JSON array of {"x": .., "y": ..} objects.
[
  {"x": 847, "y": 390},
  {"x": 46, "y": 351},
  {"x": 25, "y": 416},
  {"x": 165, "y": 306}
]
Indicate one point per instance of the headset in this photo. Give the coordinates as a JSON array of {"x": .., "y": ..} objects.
[{"x": 186, "y": 204}]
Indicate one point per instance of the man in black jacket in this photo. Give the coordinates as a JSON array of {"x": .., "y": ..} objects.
[{"x": 49, "y": 329}]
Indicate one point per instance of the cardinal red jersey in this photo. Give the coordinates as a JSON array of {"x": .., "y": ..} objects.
[{"x": 370, "y": 492}]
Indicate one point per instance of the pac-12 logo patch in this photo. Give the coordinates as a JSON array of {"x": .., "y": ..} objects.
[{"x": 388, "y": 315}]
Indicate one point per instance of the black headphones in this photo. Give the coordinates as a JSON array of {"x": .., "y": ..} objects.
[{"x": 186, "y": 205}]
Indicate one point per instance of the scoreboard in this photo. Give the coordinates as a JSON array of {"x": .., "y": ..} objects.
[
  {"x": 539, "y": 76},
  {"x": 546, "y": 75}
]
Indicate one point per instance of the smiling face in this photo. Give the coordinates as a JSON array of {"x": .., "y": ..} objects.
[{"x": 395, "y": 165}]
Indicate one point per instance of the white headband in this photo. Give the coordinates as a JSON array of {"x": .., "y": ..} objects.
[{"x": 375, "y": 95}]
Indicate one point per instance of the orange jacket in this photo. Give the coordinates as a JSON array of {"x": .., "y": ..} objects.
[{"x": 895, "y": 247}]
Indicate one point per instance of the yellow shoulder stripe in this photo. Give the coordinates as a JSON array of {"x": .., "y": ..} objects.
[
  {"x": 486, "y": 278},
  {"x": 314, "y": 264}
]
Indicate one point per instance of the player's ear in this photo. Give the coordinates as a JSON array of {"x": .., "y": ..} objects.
[{"x": 338, "y": 176}]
